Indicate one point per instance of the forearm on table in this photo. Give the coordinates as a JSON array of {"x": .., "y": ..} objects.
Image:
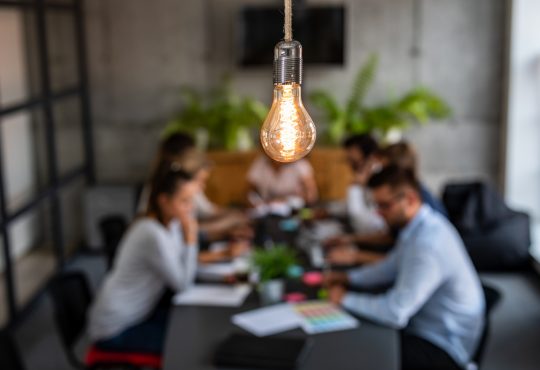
[{"x": 376, "y": 239}]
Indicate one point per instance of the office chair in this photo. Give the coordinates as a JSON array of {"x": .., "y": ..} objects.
[
  {"x": 71, "y": 296},
  {"x": 112, "y": 229},
  {"x": 9, "y": 355},
  {"x": 492, "y": 297}
]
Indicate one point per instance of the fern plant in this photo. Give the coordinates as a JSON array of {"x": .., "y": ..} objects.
[
  {"x": 224, "y": 115},
  {"x": 420, "y": 105}
]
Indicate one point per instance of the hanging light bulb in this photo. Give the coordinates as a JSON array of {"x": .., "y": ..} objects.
[{"x": 288, "y": 132}]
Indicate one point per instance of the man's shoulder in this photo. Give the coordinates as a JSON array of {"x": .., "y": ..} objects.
[{"x": 436, "y": 231}]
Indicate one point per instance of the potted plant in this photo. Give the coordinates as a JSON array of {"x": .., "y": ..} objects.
[
  {"x": 419, "y": 105},
  {"x": 272, "y": 265},
  {"x": 218, "y": 119}
]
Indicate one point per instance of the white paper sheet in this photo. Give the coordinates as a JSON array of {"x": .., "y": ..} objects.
[
  {"x": 313, "y": 317},
  {"x": 215, "y": 271},
  {"x": 213, "y": 295},
  {"x": 268, "y": 320}
]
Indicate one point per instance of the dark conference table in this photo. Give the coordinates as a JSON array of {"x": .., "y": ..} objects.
[{"x": 194, "y": 332}]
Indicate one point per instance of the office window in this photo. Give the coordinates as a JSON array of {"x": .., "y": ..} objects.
[{"x": 46, "y": 156}]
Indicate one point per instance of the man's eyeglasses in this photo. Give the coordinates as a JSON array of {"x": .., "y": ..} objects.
[{"x": 387, "y": 204}]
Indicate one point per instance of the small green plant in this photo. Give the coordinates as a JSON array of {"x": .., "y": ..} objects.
[
  {"x": 273, "y": 263},
  {"x": 419, "y": 105},
  {"x": 226, "y": 117}
]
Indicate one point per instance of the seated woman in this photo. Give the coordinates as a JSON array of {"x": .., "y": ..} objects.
[
  {"x": 275, "y": 181},
  {"x": 158, "y": 252},
  {"x": 214, "y": 223}
]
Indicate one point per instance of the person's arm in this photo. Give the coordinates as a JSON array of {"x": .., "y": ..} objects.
[
  {"x": 307, "y": 180},
  {"x": 420, "y": 275},
  {"x": 369, "y": 276},
  {"x": 162, "y": 257},
  {"x": 375, "y": 274},
  {"x": 177, "y": 274},
  {"x": 377, "y": 239},
  {"x": 309, "y": 185},
  {"x": 188, "y": 260},
  {"x": 353, "y": 256}
]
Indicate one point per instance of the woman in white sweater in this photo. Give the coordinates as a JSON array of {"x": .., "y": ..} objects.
[{"x": 159, "y": 251}]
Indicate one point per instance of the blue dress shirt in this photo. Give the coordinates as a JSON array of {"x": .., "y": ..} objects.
[{"x": 436, "y": 293}]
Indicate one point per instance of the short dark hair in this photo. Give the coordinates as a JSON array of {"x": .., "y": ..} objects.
[
  {"x": 395, "y": 177},
  {"x": 363, "y": 142}
]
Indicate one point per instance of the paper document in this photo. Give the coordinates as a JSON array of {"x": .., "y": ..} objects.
[
  {"x": 322, "y": 317},
  {"x": 268, "y": 320},
  {"x": 213, "y": 295},
  {"x": 312, "y": 316},
  {"x": 215, "y": 271}
]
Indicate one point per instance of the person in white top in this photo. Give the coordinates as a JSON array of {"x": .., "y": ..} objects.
[
  {"x": 277, "y": 181},
  {"x": 368, "y": 227},
  {"x": 158, "y": 252},
  {"x": 220, "y": 224}
]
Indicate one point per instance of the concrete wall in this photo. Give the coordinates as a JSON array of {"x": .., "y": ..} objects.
[{"x": 142, "y": 52}]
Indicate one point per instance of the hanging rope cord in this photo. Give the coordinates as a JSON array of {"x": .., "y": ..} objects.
[{"x": 288, "y": 20}]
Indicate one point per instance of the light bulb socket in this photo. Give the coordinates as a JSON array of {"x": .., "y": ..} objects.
[{"x": 288, "y": 62}]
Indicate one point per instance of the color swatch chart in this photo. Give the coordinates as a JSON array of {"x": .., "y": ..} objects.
[{"x": 321, "y": 317}]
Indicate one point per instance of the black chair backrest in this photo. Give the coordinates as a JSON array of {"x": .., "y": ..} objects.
[
  {"x": 112, "y": 229},
  {"x": 9, "y": 355},
  {"x": 492, "y": 296},
  {"x": 474, "y": 206},
  {"x": 71, "y": 296}
]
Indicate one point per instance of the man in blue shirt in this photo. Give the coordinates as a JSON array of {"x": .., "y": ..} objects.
[{"x": 436, "y": 296}]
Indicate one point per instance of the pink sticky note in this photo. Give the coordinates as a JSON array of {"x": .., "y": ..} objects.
[{"x": 313, "y": 278}]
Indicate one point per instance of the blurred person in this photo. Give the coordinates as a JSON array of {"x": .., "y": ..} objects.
[
  {"x": 435, "y": 295},
  {"x": 220, "y": 223},
  {"x": 158, "y": 252},
  {"x": 369, "y": 228},
  {"x": 170, "y": 149},
  {"x": 274, "y": 181},
  {"x": 360, "y": 151},
  {"x": 214, "y": 223},
  {"x": 404, "y": 155}
]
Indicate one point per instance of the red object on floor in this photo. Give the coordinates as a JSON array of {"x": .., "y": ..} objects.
[{"x": 96, "y": 356}]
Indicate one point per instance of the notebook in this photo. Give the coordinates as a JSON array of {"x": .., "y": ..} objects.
[{"x": 242, "y": 351}]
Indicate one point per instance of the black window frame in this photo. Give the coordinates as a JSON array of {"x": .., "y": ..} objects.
[{"x": 45, "y": 101}]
